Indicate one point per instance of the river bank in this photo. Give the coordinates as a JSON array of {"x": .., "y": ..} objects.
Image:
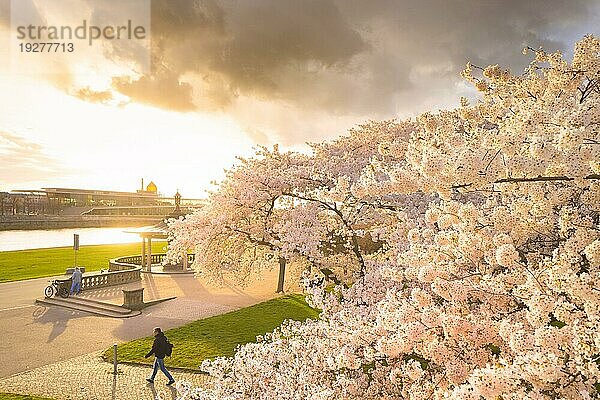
[
  {"x": 35, "y": 222},
  {"x": 47, "y": 238}
]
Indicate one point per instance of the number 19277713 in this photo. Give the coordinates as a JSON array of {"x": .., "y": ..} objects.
[{"x": 47, "y": 47}]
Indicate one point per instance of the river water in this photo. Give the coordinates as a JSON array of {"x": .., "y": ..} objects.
[{"x": 36, "y": 239}]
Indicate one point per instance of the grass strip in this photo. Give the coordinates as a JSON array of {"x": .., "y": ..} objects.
[
  {"x": 219, "y": 335},
  {"x": 19, "y": 265}
]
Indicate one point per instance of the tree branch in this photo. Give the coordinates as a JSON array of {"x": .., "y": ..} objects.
[{"x": 537, "y": 179}]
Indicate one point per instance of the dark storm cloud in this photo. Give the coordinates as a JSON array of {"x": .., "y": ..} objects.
[
  {"x": 434, "y": 39},
  {"x": 460, "y": 30},
  {"x": 348, "y": 56},
  {"x": 271, "y": 39},
  {"x": 287, "y": 68},
  {"x": 264, "y": 48}
]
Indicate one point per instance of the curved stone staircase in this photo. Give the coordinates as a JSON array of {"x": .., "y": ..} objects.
[{"x": 91, "y": 306}]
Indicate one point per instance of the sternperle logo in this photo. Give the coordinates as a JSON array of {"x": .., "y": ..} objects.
[{"x": 84, "y": 31}]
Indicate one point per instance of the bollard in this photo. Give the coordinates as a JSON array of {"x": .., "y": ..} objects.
[{"x": 115, "y": 359}]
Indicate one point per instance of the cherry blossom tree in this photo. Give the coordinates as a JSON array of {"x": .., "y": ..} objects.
[
  {"x": 291, "y": 206},
  {"x": 486, "y": 286}
]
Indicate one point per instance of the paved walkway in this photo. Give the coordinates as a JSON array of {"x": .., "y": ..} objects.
[
  {"x": 89, "y": 378},
  {"x": 33, "y": 336},
  {"x": 54, "y": 351}
]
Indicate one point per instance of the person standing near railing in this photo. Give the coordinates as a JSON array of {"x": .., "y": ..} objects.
[{"x": 76, "y": 281}]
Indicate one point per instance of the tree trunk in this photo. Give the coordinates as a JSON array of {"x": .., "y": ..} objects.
[{"x": 281, "y": 274}]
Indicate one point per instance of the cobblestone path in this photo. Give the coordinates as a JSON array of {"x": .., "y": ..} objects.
[{"x": 87, "y": 377}]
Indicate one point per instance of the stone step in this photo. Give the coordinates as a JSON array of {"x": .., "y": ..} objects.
[
  {"x": 96, "y": 303},
  {"x": 92, "y": 307}
]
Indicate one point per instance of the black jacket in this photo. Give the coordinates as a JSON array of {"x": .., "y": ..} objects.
[{"x": 159, "y": 347}]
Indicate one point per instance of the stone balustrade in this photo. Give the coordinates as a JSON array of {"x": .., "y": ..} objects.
[
  {"x": 103, "y": 279},
  {"x": 124, "y": 263},
  {"x": 128, "y": 262},
  {"x": 121, "y": 271}
]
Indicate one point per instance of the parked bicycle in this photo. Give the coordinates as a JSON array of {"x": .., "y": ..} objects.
[{"x": 54, "y": 289}]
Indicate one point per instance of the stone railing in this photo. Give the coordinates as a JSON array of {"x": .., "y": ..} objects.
[
  {"x": 128, "y": 262},
  {"x": 124, "y": 263},
  {"x": 103, "y": 279},
  {"x": 111, "y": 278},
  {"x": 121, "y": 271}
]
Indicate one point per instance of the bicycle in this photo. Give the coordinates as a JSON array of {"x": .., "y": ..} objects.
[{"x": 54, "y": 289}]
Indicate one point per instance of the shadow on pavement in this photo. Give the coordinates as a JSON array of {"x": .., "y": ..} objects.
[
  {"x": 58, "y": 317},
  {"x": 150, "y": 287},
  {"x": 190, "y": 286},
  {"x": 162, "y": 394}
]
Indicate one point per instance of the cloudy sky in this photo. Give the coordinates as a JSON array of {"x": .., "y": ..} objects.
[{"x": 220, "y": 76}]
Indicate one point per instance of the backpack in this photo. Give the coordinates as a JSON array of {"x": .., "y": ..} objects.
[{"x": 169, "y": 349}]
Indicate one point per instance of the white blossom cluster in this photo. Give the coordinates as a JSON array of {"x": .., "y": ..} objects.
[{"x": 486, "y": 281}]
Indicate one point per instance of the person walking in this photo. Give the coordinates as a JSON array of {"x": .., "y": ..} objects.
[
  {"x": 160, "y": 348},
  {"x": 76, "y": 281}
]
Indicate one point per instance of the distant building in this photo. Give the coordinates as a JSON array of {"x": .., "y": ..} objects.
[
  {"x": 18, "y": 202},
  {"x": 55, "y": 201},
  {"x": 61, "y": 197},
  {"x": 150, "y": 188}
]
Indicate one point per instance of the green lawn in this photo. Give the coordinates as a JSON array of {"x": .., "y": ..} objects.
[
  {"x": 26, "y": 264},
  {"x": 218, "y": 335},
  {"x": 8, "y": 396}
]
